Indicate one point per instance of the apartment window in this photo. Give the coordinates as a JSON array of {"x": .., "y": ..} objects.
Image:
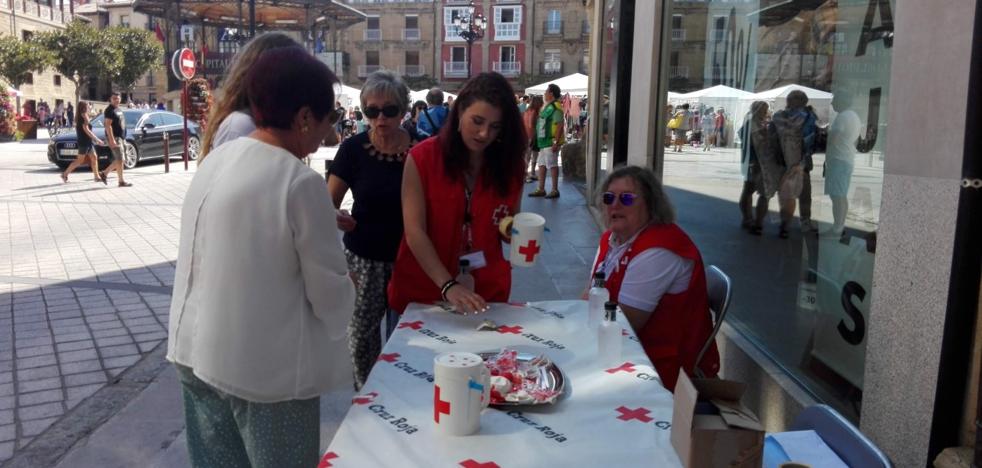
[
  {"x": 372, "y": 31},
  {"x": 412, "y": 67},
  {"x": 451, "y": 32},
  {"x": 554, "y": 22},
  {"x": 26, "y": 35},
  {"x": 372, "y": 63},
  {"x": 411, "y": 32},
  {"x": 719, "y": 28},
  {"x": 412, "y": 57},
  {"x": 372, "y": 57},
  {"x": 553, "y": 61},
  {"x": 678, "y": 31},
  {"x": 124, "y": 21},
  {"x": 458, "y": 54},
  {"x": 57, "y": 80},
  {"x": 29, "y": 78},
  {"x": 507, "y": 23},
  {"x": 586, "y": 27}
]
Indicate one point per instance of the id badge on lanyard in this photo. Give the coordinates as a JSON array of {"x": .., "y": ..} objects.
[{"x": 474, "y": 257}]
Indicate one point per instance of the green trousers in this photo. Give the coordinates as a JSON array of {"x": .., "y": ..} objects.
[{"x": 227, "y": 431}]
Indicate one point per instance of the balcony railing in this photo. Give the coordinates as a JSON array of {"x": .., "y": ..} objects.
[
  {"x": 410, "y": 34},
  {"x": 34, "y": 9},
  {"x": 411, "y": 70},
  {"x": 678, "y": 34},
  {"x": 454, "y": 68},
  {"x": 507, "y": 68},
  {"x": 551, "y": 68},
  {"x": 552, "y": 28},
  {"x": 373, "y": 35},
  {"x": 365, "y": 70},
  {"x": 678, "y": 71}
]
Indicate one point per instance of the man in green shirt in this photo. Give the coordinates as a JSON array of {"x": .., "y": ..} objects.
[{"x": 549, "y": 138}]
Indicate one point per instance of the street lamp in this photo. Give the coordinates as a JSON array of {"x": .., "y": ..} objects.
[{"x": 471, "y": 28}]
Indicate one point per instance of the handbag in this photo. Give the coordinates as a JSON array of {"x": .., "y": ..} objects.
[{"x": 675, "y": 123}]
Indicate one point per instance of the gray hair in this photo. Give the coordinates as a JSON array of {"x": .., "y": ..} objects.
[
  {"x": 660, "y": 209},
  {"x": 387, "y": 85}
]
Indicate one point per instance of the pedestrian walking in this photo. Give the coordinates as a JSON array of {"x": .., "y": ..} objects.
[
  {"x": 370, "y": 165},
  {"x": 458, "y": 191},
  {"x": 231, "y": 118},
  {"x": 114, "y": 122},
  {"x": 682, "y": 117},
  {"x": 550, "y": 135},
  {"x": 431, "y": 121},
  {"x": 719, "y": 133},
  {"x": 529, "y": 118},
  {"x": 261, "y": 290},
  {"x": 86, "y": 140},
  {"x": 793, "y": 130},
  {"x": 707, "y": 124},
  {"x": 841, "y": 158},
  {"x": 70, "y": 113},
  {"x": 762, "y": 170}
]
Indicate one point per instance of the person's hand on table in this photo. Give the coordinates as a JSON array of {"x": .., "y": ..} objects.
[
  {"x": 465, "y": 300},
  {"x": 346, "y": 222}
]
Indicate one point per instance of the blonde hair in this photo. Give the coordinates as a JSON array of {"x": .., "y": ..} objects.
[{"x": 234, "y": 95}]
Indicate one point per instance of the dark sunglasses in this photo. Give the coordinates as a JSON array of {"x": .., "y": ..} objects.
[
  {"x": 372, "y": 112},
  {"x": 627, "y": 198}
]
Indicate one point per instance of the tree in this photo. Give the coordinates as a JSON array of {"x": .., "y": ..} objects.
[
  {"x": 18, "y": 59},
  {"x": 141, "y": 53},
  {"x": 82, "y": 54}
]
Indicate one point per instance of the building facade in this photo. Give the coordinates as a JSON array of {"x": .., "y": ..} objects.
[
  {"x": 526, "y": 41},
  {"x": 24, "y": 18},
  {"x": 871, "y": 304}
]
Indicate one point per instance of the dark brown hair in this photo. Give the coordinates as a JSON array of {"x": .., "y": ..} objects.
[
  {"x": 284, "y": 80},
  {"x": 504, "y": 163}
]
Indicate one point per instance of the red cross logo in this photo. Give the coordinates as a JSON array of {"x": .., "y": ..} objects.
[
  {"x": 530, "y": 250},
  {"x": 364, "y": 399},
  {"x": 439, "y": 406},
  {"x": 641, "y": 414},
  {"x": 517, "y": 329},
  {"x": 471, "y": 463},
  {"x": 414, "y": 325},
  {"x": 499, "y": 214},
  {"x": 626, "y": 367},
  {"x": 391, "y": 357},
  {"x": 624, "y": 332},
  {"x": 326, "y": 460}
]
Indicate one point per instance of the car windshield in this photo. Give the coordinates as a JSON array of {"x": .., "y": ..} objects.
[{"x": 131, "y": 119}]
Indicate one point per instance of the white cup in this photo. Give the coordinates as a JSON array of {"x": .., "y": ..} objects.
[
  {"x": 461, "y": 389},
  {"x": 526, "y": 239}
]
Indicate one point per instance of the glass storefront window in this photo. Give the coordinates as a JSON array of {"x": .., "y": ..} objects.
[{"x": 803, "y": 279}]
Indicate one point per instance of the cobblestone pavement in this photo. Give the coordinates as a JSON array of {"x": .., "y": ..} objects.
[{"x": 85, "y": 278}]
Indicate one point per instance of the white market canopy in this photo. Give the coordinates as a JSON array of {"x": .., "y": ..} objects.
[
  {"x": 714, "y": 92},
  {"x": 421, "y": 95},
  {"x": 576, "y": 84},
  {"x": 347, "y": 95},
  {"x": 783, "y": 92}
]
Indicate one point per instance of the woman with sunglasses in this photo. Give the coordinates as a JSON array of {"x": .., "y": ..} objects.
[
  {"x": 458, "y": 189},
  {"x": 370, "y": 164},
  {"x": 655, "y": 273}
]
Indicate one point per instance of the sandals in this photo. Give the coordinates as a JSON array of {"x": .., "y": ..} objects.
[
  {"x": 538, "y": 193},
  {"x": 64, "y": 177},
  {"x": 103, "y": 178},
  {"x": 125, "y": 184},
  {"x": 553, "y": 194}
]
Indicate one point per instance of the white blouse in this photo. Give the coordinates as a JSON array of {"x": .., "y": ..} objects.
[{"x": 262, "y": 296}]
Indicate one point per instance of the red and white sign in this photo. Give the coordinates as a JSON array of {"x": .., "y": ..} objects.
[{"x": 183, "y": 64}]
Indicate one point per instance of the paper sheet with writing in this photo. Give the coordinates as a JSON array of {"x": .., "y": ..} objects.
[{"x": 608, "y": 416}]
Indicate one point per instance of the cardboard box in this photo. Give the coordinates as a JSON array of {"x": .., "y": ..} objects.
[{"x": 711, "y": 428}]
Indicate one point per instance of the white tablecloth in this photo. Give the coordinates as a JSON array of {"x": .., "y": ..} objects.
[{"x": 609, "y": 416}]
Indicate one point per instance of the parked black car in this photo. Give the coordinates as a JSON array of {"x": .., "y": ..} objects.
[{"x": 145, "y": 129}]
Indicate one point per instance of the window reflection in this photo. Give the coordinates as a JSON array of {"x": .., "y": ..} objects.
[{"x": 817, "y": 73}]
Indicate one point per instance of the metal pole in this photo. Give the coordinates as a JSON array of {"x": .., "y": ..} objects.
[
  {"x": 252, "y": 18},
  {"x": 166, "y": 154},
  {"x": 470, "y": 44},
  {"x": 185, "y": 102}
]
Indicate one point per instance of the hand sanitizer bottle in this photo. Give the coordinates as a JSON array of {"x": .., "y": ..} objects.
[
  {"x": 609, "y": 339},
  {"x": 464, "y": 277},
  {"x": 598, "y": 296}
]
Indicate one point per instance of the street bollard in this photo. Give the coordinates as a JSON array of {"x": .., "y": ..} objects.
[{"x": 166, "y": 154}]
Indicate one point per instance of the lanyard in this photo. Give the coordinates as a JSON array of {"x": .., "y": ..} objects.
[{"x": 468, "y": 221}]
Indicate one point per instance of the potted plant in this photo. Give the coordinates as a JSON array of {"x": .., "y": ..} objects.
[{"x": 28, "y": 126}]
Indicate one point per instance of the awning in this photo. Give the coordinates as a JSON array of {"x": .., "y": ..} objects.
[{"x": 270, "y": 14}]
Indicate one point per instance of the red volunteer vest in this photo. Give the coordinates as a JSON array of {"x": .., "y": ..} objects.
[
  {"x": 681, "y": 323},
  {"x": 445, "y": 203}
]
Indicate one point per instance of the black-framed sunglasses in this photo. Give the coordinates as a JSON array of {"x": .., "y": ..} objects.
[
  {"x": 627, "y": 198},
  {"x": 373, "y": 112}
]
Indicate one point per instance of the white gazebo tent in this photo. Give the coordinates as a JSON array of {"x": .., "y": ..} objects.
[
  {"x": 348, "y": 96},
  {"x": 776, "y": 98},
  {"x": 421, "y": 96},
  {"x": 576, "y": 84},
  {"x": 716, "y": 97}
]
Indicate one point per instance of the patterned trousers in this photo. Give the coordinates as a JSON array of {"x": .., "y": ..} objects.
[
  {"x": 364, "y": 333},
  {"x": 224, "y": 430}
]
